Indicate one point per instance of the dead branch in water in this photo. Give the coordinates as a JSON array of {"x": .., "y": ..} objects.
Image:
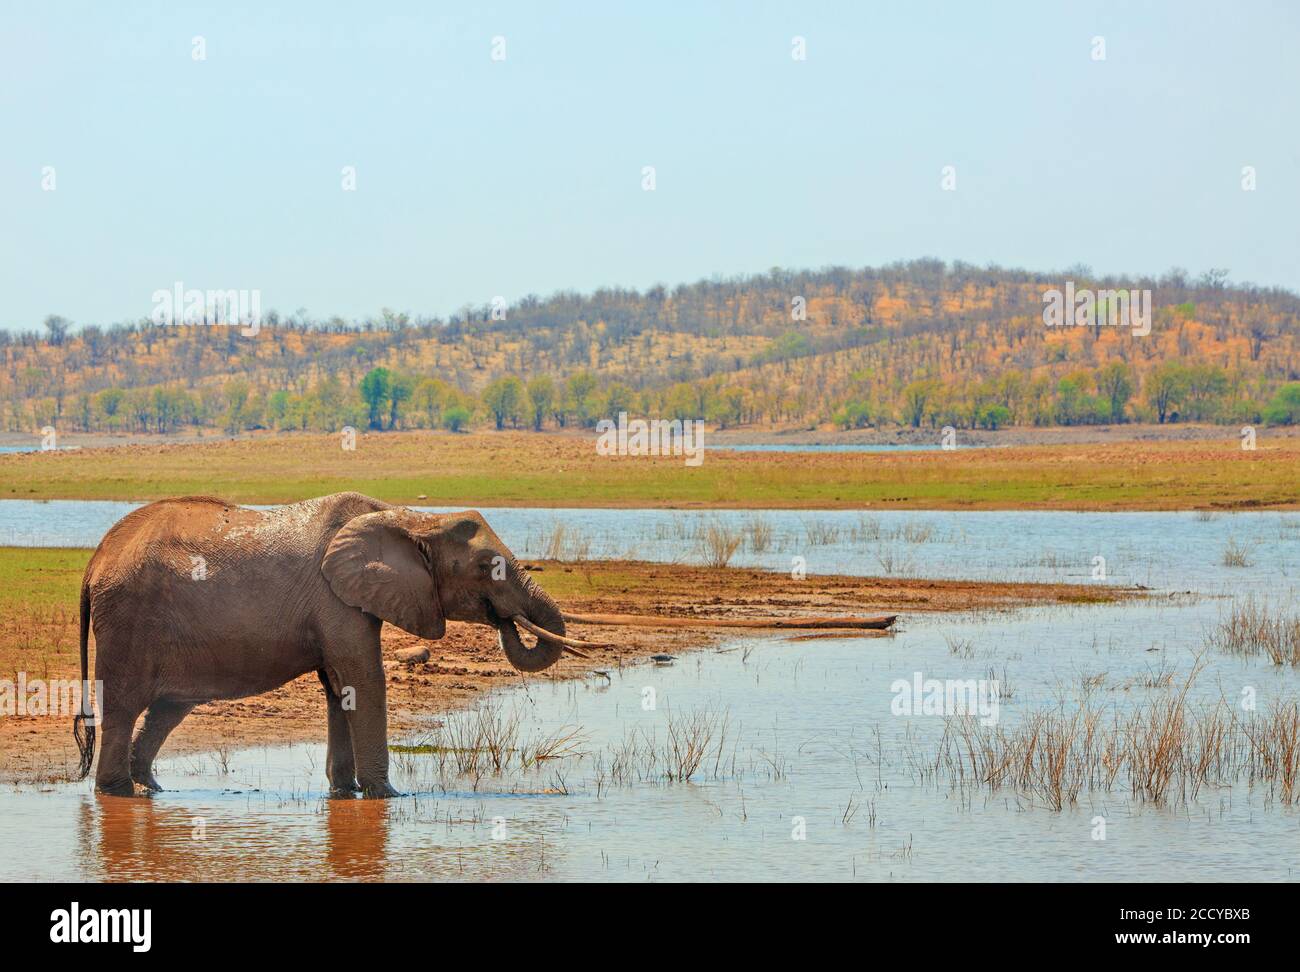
[{"x": 657, "y": 621}]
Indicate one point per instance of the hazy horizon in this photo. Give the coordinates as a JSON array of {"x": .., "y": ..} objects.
[{"x": 478, "y": 177}]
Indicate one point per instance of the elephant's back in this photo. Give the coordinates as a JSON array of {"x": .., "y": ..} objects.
[
  {"x": 204, "y": 533},
  {"x": 160, "y": 531}
]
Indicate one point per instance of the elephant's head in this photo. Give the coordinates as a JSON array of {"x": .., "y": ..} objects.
[{"x": 417, "y": 570}]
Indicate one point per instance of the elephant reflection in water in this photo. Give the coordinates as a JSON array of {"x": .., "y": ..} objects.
[
  {"x": 357, "y": 839},
  {"x": 121, "y": 839},
  {"x": 264, "y": 837}
]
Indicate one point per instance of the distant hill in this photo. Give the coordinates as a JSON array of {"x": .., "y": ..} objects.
[{"x": 921, "y": 343}]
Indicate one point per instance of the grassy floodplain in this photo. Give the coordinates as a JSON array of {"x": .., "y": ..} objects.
[
  {"x": 39, "y": 591},
  {"x": 529, "y": 469}
]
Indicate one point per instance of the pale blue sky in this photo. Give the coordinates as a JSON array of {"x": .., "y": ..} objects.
[{"x": 477, "y": 178}]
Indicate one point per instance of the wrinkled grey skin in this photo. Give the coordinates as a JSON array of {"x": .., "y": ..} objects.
[{"x": 194, "y": 599}]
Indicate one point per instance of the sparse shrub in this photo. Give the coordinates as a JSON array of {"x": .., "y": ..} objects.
[
  {"x": 719, "y": 544},
  {"x": 1235, "y": 555},
  {"x": 759, "y": 532},
  {"x": 1254, "y": 628},
  {"x": 820, "y": 533}
]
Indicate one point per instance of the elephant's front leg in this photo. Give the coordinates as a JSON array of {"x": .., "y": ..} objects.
[
  {"x": 340, "y": 767},
  {"x": 360, "y": 686}
]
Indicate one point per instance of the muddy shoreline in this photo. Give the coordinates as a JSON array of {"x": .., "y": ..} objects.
[
  {"x": 784, "y": 435},
  {"x": 1013, "y": 436},
  {"x": 467, "y": 663}
]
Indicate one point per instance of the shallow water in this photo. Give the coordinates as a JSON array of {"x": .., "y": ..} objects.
[
  {"x": 811, "y": 746},
  {"x": 809, "y": 735}
]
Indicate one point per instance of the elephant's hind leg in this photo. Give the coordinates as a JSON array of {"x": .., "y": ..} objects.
[
  {"x": 113, "y": 774},
  {"x": 160, "y": 719},
  {"x": 340, "y": 764}
]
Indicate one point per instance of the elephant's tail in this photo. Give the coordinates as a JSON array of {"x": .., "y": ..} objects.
[{"x": 83, "y": 723}]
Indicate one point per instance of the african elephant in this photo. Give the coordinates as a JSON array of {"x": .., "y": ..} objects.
[{"x": 195, "y": 599}]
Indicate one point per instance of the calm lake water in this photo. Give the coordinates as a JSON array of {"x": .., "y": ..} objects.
[
  {"x": 1164, "y": 550},
  {"x": 808, "y": 773}
]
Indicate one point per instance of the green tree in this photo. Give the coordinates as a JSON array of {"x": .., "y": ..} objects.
[
  {"x": 237, "y": 394},
  {"x": 580, "y": 388},
  {"x": 1115, "y": 384},
  {"x": 1012, "y": 389},
  {"x": 277, "y": 408},
  {"x": 854, "y": 415},
  {"x": 1206, "y": 386},
  {"x": 170, "y": 406},
  {"x": 1284, "y": 407},
  {"x": 1166, "y": 385},
  {"x": 541, "y": 395},
  {"x": 682, "y": 404},
  {"x": 456, "y": 418},
  {"x": 916, "y": 396},
  {"x": 139, "y": 406},
  {"x": 1073, "y": 398},
  {"x": 428, "y": 399},
  {"x": 400, "y": 389},
  {"x": 618, "y": 398},
  {"x": 109, "y": 403},
  {"x": 374, "y": 390},
  {"x": 994, "y": 416},
  {"x": 503, "y": 398},
  {"x": 727, "y": 407},
  {"x": 85, "y": 411},
  {"x": 329, "y": 407},
  {"x": 791, "y": 344}
]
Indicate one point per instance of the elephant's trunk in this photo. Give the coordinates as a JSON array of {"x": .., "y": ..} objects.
[{"x": 542, "y": 611}]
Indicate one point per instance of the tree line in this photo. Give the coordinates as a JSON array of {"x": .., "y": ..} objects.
[{"x": 916, "y": 343}]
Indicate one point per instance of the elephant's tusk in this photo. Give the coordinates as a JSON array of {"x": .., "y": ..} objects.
[{"x": 571, "y": 644}]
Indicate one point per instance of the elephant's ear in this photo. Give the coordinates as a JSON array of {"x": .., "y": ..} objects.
[{"x": 373, "y": 563}]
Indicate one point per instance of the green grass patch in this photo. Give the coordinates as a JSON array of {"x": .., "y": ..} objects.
[
  {"x": 40, "y": 590},
  {"x": 41, "y": 577},
  {"x": 527, "y": 469}
]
